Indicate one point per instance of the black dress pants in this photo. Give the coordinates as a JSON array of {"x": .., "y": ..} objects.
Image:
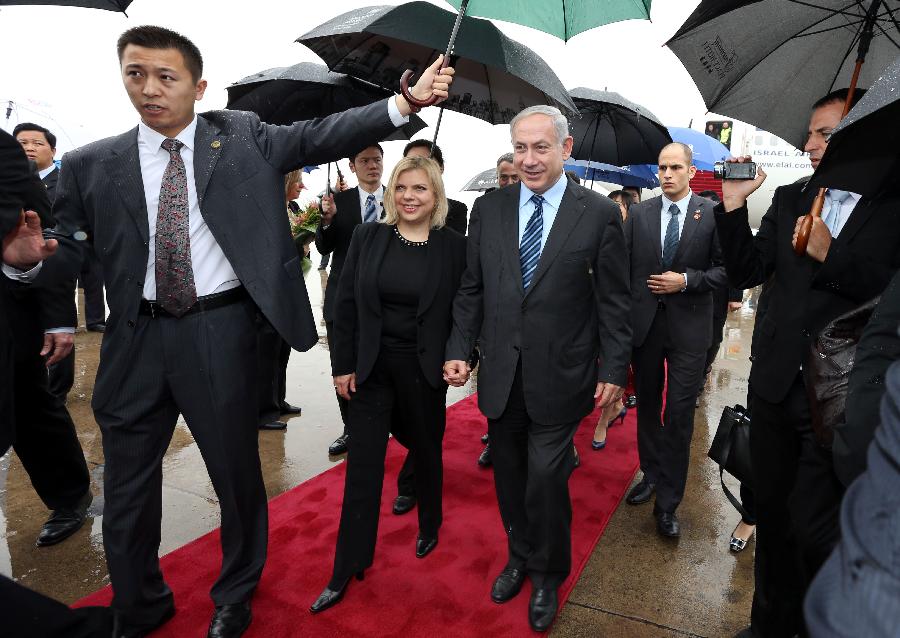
[
  {"x": 798, "y": 499},
  {"x": 342, "y": 402},
  {"x": 664, "y": 445},
  {"x": 395, "y": 398},
  {"x": 273, "y": 353},
  {"x": 532, "y": 465},
  {"x": 195, "y": 366}
]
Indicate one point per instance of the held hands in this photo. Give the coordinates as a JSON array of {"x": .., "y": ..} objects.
[
  {"x": 456, "y": 373},
  {"x": 345, "y": 384},
  {"x": 328, "y": 209},
  {"x": 24, "y": 246},
  {"x": 819, "y": 238},
  {"x": 666, "y": 283},
  {"x": 433, "y": 81},
  {"x": 607, "y": 394},
  {"x": 736, "y": 191},
  {"x": 57, "y": 345}
]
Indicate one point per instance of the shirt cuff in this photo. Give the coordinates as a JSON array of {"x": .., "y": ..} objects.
[
  {"x": 397, "y": 119},
  {"x": 25, "y": 277},
  {"x": 66, "y": 330}
]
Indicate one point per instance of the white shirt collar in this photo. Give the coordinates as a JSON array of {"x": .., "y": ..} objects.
[
  {"x": 681, "y": 203},
  {"x": 153, "y": 139},
  {"x": 43, "y": 173}
]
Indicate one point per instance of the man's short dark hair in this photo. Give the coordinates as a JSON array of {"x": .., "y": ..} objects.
[
  {"x": 30, "y": 126},
  {"x": 153, "y": 37},
  {"x": 352, "y": 158},
  {"x": 626, "y": 197},
  {"x": 636, "y": 190},
  {"x": 433, "y": 148},
  {"x": 711, "y": 195},
  {"x": 839, "y": 95}
]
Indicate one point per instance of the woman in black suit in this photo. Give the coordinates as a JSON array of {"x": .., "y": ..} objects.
[{"x": 393, "y": 314}]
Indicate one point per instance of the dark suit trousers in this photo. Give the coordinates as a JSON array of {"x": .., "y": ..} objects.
[
  {"x": 273, "y": 352},
  {"x": 798, "y": 498},
  {"x": 46, "y": 441},
  {"x": 395, "y": 398},
  {"x": 532, "y": 465},
  {"x": 664, "y": 445},
  {"x": 196, "y": 366},
  {"x": 342, "y": 402}
]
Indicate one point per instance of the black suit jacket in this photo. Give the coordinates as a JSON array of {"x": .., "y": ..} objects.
[
  {"x": 357, "y": 311},
  {"x": 239, "y": 168},
  {"x": 571, "y": 328},
  {"x": 50, "y": 181},
  {"x": 457, "y": 216},
  {"x": 689, "y": 314},
  {"x": 805, "y": 295}
]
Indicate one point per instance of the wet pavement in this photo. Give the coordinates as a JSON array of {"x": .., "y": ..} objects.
[{"x": 635, "y": 584}]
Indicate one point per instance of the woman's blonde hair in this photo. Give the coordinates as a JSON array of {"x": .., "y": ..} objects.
[
  {"x": 433, "y": 171},
  {"x": 290, "y": 178}
]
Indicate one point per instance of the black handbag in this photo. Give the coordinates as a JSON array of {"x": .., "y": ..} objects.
[{"x": 731, "y": 450}]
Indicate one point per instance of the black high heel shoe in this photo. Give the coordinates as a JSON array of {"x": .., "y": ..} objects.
[
  {"x": 330, "y": 597},
  {"x": 620, "y": 417}
]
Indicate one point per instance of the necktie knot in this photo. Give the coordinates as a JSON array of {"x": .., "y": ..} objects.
[
  {"x": 837, "y": 196},
  {"x": 674, "y": 211},
  {"x": 172, "y": 145},
  {"x": 538, "y": 201}
]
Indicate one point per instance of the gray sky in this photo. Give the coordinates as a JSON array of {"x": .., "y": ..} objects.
[{"x": 60, "y": 69}]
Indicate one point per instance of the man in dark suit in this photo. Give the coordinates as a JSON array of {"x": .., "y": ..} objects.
[
  {"x": 186, "y": 213},
  {"x": 40, "y": 146},
  {"x": 675, "y": 266},
  {"x": 457, "y": 212},
  {"x": 341, "y": 213},
  {"x": 853, "y": 251},
  {"x": 545, "y": 295}
]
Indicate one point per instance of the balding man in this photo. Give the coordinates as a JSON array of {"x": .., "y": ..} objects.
[{"x": 675, "y": 266}]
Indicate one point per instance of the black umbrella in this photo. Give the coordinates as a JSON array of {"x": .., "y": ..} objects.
[
  {"x": 612, "y": 130},
  {"x": 766, "y": 62},
  {"x": 496, "y": 77},
  {"x": 109, "y": 5},
  {"x": 862, "y": 151},
  {"x": 305, "y": 91}
]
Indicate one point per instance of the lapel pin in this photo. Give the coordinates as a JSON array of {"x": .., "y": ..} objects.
[
  {"x": 216, "y": 144},
  {"x": 697, "y": 215}
]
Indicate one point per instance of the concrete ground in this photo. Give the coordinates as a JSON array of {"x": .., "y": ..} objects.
[{"x": 635, "y": 584}]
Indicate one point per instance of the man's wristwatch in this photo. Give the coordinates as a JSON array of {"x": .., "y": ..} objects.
[{"x": 684, "y": 276}]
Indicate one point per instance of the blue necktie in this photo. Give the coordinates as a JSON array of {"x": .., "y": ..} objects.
[
  {"x": 530, "y": 248},
  {"x": 369, "y": 215},
  {"x": 670, "y": 243},
  {"x": 834, "y": 212}
]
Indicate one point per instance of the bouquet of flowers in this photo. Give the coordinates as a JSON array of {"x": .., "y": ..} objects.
[{"x": 305, "y": 220}]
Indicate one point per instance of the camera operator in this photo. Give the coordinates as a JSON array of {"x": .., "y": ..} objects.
[{"x": 853, "y": 251}]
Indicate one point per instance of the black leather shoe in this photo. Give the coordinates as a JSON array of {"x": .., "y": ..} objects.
[
  {"x": 96, "y": 327},
  {"x": 287, "y": 408},
  {"x": 667, "y": 525},
  {"x": 403, "y": 504},
  {"x": 424, "y": 546},
  {"x": 484, "y": 459},
  {"x": 230, "y": 621},
  {"x": 273, "y": 425},
  {"x": 330, "y": 597},
  {"x": 508, "y": 584},
  {"x": 542, "y": 608},
  {"x": 64, "y": 522},
  {"x": 339, "y": 446},
  {"x": 630, "y": 401},
  {"x": 641, "y": 492}
]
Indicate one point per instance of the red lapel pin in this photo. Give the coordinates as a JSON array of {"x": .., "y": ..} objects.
[{"x": 697, "y": 215}]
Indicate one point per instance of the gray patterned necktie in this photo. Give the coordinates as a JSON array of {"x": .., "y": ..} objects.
[
  {"x": 175, "y": 290},
  {"x": 670, "y": 243}
]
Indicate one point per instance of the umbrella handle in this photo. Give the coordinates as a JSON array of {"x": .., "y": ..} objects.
[
  {"x": 415, "y": 103},
  {"x": 806, "y": 225}
]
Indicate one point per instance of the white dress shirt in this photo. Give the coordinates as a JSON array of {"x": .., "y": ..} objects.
[
  {"x": 212, "y": 270},
  {"x": 664, "y": 221},
  {"x": 549, "y": 207},
  {"x": 847, "y": 207},
  {"x": 47, "y": 170}
]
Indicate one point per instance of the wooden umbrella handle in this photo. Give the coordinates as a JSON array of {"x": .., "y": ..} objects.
[
  {"x": 806, "y": 225},
  {"x": 415, "y": 103}
]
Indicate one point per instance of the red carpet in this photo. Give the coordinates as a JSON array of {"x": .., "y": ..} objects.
[{"x": 444, "y": 594}]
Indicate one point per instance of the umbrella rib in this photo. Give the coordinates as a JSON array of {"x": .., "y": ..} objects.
[{"x": 890, "y": 12}]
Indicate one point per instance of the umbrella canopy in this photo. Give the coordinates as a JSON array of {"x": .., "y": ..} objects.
[
  {"x": 862, "y": 153},
  {"x": 496, "y": 77},
  {"x": 613, "y": 130},
  {"x": 562, "y": 18},
  {"x": 640, "y": 175},
  {"x": 109, "y": 5},
  {"x": 304, "y": 91},
  {"x": 767, "y": 62},
  {"x": 483, "y": 181},
  {"x": 707, "y": 150}
]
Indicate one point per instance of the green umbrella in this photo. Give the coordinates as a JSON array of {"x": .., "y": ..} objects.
[{"x": 561, "y": 18}]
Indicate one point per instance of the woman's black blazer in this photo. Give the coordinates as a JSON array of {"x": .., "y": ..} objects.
[{"x": 357, "y": 316}]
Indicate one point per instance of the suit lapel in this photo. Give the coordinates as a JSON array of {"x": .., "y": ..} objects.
[
  {"x": 570, "y": 210},
  {"x": 858, "y": 218},
  {"x": 370, "y": 261},
  {"x": 434, "y": 255},
  {"x": 208, "y": 144},
  {"x": 653, "y": 219},
  {"x": 691, "y": 222},
  {"x": 124, "y": 169},
  {"x": 509, "y": 221}
]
